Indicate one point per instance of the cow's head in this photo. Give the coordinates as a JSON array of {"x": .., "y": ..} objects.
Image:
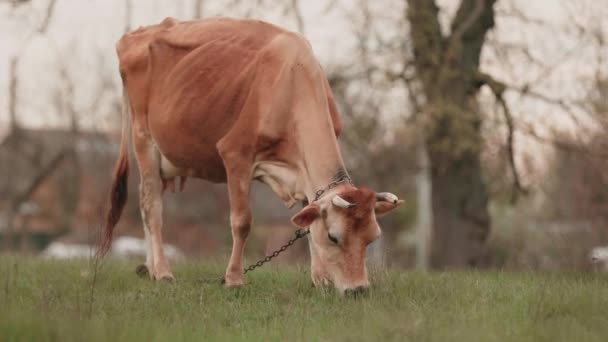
[{"x": 342, "y": 225}]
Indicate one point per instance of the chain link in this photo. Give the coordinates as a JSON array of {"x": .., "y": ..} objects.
[
  {"x": 332, "y": 185},
  {"x": 300, "y": 233}
]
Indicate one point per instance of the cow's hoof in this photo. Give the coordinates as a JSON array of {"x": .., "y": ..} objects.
[
  {"x": 233, "y": 283},
  {"x": 142, "y": 271},
  {"x": 165, "y": 277}
]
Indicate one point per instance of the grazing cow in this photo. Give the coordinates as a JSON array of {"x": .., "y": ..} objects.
[{"x": 230, "y": 100}]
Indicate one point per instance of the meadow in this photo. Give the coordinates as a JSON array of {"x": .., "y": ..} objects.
[{"x": 43, "y": 300}]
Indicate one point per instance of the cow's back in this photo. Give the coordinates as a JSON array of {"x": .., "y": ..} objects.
[
  {"x": 149, "y": 53},
  {"x": 188, "y": 81}
]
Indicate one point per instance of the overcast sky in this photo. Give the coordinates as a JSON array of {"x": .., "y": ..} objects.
[
  {"x": 82, "y": 30},
  {"x": 82, "y": 35}
]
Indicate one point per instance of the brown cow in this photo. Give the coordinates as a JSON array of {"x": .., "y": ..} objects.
[{"x": 230, "y": 100}]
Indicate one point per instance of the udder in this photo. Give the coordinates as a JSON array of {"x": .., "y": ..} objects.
[{"x": 206, "y": 167}]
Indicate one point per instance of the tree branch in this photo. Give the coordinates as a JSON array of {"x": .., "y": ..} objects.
[
  {"x": 564, "y": 146},
  {"x": 16, "y": 60},
  {"x": 50, "y": 8},
  {"x": 43, "y": 173},
  {"x": 473, "y": 20},
  {"x": 295, "y": 7},
  {"x": 518, "y": 188},
  {"x": 426, "y": 36},
  {"x": 482, "y": 78},
  {"x": 498, "y": 88},
  {"x": 459, "y": 30}
]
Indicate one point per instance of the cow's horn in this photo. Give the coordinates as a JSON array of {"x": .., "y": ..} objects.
[
  {"x": 387, "y": 197},
  {"x": 341, "y": 202}
]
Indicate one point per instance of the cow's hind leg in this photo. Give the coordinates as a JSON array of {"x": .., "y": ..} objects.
[
  {"x": 151, "y": 207},
  {"x": 144, "y": 270}
]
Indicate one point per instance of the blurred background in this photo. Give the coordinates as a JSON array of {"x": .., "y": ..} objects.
[{"x": 489, "y": 117}]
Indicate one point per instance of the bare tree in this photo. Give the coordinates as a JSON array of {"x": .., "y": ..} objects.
[
  {"x": 441, "y": 76},
  {"x": 15, "y": 61},
  {"x": 295, "y": 9},
  {"x": 198, "y": 9},
  {"x": 447, "y": 68},
  {"x": 14, "y": 143},
  {"x": 128, "y": 14}
]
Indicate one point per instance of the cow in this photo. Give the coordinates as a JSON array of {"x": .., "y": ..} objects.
[{"x": 236, "y": 100}]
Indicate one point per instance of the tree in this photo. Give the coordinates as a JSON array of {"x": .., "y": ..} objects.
[
  {"x": 29, "y": 158},
  {"x": 16, "y": 142},
  {"x": 198, "y": 9},
  {"x": 447, "y": 68},
  {"x": 16, "y": 59}
]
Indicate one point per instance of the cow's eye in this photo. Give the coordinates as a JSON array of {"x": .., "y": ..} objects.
[{"x": 332, "y": 238}]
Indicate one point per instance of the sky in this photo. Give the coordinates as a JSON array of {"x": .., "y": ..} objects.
[{"x": 82, "y": 35}]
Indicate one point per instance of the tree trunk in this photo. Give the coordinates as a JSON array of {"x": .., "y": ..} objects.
[
  {"x": 424, "y": 206},
  {"x": 446, "y": 68},
  {"x": 12, "y": 95},
  {"x": 461, "y": 223},
  {"x": 198, "y": 9},
  {"x": 128, "y": 15}
]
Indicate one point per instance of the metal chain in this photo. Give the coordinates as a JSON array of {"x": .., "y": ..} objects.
[
  {"x": 300, "y": 233},
  {"x": 332, "y": 185}
]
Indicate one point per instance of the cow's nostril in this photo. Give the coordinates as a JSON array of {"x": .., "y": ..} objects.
[{"x": 358, "y": 291}]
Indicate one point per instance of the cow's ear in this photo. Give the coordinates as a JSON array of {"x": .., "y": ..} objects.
[
  {"x": 385, "y": 202},
  {"x": 306, "y": 216}
]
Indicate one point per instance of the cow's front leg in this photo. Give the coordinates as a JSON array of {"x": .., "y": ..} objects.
[
  {"x": 239, "y": 184},
  {"x": 240, "y": 224}
]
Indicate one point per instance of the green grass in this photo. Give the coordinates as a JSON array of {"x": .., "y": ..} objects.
[{"x": 50, "y": 301}]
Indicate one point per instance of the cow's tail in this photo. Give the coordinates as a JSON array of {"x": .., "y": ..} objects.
[{"x": 120, "y": 177}]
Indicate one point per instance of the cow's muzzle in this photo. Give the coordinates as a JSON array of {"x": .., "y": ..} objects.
[{"x": 359, "y": 291}]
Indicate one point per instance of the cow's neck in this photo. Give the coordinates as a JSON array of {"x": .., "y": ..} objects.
[{"x": 321, "y": 158}]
